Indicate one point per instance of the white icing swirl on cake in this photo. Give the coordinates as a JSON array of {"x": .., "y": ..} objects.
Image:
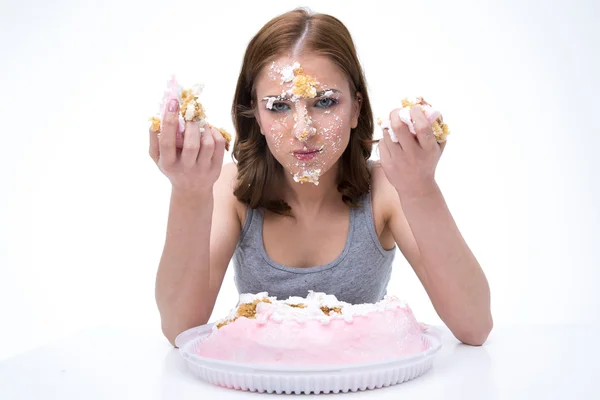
[{"x": 315, "y": 306}]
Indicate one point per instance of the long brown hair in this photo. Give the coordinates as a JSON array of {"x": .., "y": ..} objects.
[{"x": 259, "y": 174}]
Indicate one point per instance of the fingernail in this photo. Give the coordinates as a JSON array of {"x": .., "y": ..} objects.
[{"x": 173, "y": 105}]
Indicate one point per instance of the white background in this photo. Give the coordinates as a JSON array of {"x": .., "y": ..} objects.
[{"x": 83, "y": 208}]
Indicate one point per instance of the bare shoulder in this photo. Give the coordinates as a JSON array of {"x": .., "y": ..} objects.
[
  {"x": 227, "y": 177},
  {"x": 386, "y": 199},
  {"x": 383, "y": 194},
  {"x": 223, "y": 192}
]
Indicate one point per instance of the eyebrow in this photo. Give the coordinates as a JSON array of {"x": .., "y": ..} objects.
[{"x": 319, "y": 94}]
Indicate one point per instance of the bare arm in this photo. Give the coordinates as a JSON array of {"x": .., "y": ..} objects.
[
  {"x": 183, "y": 274},
  {"x": 203, "y": 224},
  {"x": 428, "y": 237},
  {"x": 201, "y": 236}
]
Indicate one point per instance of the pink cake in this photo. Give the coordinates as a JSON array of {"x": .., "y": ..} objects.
[{"x": 316, "y": 330}]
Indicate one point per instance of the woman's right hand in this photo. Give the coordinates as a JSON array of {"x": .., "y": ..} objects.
[{"x": 195, "y": 167}]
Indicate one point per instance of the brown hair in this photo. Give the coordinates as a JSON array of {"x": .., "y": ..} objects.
[{"x": 259, "y": 174}]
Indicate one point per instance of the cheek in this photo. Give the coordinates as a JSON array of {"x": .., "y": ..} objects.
[
  {"x": 335, "y": 130},
  {"x": 275, "y": 128}
]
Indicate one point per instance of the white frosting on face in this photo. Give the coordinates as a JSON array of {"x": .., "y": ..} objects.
[
  {"x": 306, "y": 121},
  {"x": 303, "y": 125},
  {"x": 311, "y": 176},
  {"x": 287, "y": 72},
  {"x": 270, "y": 101}
]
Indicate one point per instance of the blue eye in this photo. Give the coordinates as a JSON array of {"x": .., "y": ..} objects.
[
  {"x": 326, "y": 102},
  {"x": 280, "y": 107}
]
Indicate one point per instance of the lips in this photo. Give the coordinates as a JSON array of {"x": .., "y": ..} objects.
[{"x": 307, "y": 154}]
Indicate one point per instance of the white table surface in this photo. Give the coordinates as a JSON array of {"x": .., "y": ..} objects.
[{"x": 548, "y": 362}]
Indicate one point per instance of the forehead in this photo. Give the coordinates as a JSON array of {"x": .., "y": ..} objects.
[{"x": 327, "y": 74}]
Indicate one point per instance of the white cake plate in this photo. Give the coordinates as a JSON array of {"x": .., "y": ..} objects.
[{"x": 306, "y": 379}]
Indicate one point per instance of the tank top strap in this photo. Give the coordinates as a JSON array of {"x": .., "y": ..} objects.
[{"x": 251, "y": 223}]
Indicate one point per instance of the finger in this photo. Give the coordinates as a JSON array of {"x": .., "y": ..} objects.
[
  {"x": 191, "y": 144},
  {"x": 154, "y": 150},
  {"x": 384, "y": 152},
  {"x": 407, "y": 140},
  {"x": 180, "y": 133},
  {"x": 392, "y": 147},
  {"x": 387, "y": 125},
  {"x": 207, "y": 147},
  {"x": 423, "y": 129},
  {"x": 168, "y": 133},
  {"x": 217, "y": 158}
]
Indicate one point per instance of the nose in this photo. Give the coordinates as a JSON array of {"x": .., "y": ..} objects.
[{"x": 303, "y": 126}]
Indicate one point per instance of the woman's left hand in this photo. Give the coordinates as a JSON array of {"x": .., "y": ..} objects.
[{"x": 410, "y": 164}]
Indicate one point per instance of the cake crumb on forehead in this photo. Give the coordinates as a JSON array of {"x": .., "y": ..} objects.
[{"x": 304, "y": 85}]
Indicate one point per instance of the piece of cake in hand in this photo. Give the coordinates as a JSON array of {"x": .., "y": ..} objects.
[
  {"x": 440, "y": 128},
  {"x": 190, "y": 109},
  {"x": 316, "y": 330}
]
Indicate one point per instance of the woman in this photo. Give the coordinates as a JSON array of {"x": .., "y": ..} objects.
[{"x": 303, "y": 208}]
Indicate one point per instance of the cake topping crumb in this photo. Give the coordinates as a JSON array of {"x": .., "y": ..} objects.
[
  {"x": 317, "y": 306},
  {"x": 328, "y": 310}
]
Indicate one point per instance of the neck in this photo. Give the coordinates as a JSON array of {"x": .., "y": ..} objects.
[{"x": 311, "y": 199}]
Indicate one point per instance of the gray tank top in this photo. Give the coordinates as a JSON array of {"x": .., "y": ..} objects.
[{"x": 360, "y": 274}]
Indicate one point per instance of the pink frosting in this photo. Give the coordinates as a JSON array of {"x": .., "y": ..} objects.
[{"x": 366, "y": 338}]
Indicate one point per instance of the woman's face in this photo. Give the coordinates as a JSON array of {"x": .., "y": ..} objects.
[{"x": 305, "y": 111}]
